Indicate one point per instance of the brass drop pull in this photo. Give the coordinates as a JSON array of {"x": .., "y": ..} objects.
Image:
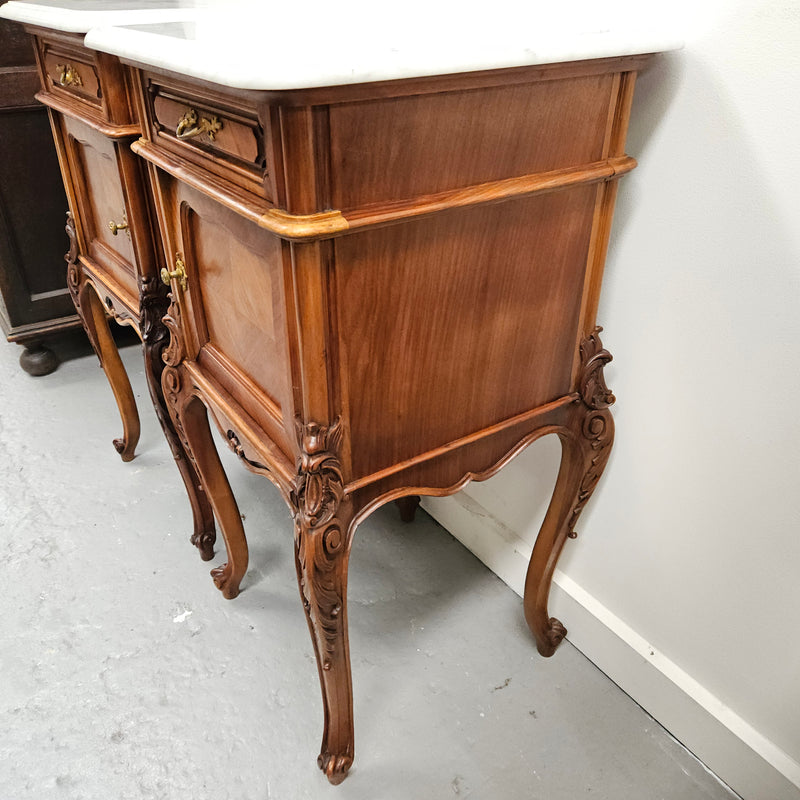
[
  {"x": 116, "y": 227},
  {"x": 189, "y": 126},
  {"x": 179, "y": 272},
  {"x": 68, "y": 75}
]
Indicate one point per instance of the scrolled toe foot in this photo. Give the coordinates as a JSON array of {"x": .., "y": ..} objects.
[
  {"x": 553, "y": 636},
  {"x": 224, "y": 581},
  {"x": 126, "y": 452},
  {"x": 334, "y": 767},
  {"x": 204, "y": 542}
]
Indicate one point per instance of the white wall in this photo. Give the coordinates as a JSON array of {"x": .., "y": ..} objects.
[{"x": 689, "y": 552}]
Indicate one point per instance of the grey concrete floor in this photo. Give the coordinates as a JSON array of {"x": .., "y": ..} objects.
[{"x": 124, "y": 674}]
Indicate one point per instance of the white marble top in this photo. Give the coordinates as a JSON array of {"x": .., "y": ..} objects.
[
  {"x": 258, "y": 44},
  {"x": 80, "y": 16}
]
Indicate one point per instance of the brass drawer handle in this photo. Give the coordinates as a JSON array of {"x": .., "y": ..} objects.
[
  {"x": 68, "y": 75},
  {"x": 179, "y": 272},
  {"x": 116, "y": 227},
  {"x": 189, "y": 127}
]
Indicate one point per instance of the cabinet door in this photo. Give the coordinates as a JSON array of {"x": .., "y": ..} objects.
[
  {"x": 233, "y": 309},
  {"x": 102, "y": 213}
]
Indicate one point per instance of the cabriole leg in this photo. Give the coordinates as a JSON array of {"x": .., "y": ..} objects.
[
  {"x": 322, "y": 521},
  {"x": 194, "y": 418},
  {"x": 586, "y": 439},
  {"x": 321, "y": 556},
  {"x": 155, "y": 337},
  {"x": 95, "y": 321}
]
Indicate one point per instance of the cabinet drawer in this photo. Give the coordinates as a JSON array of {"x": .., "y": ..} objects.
[
  {"x": 218, "y": 132},
  {"x": 70, "y": 75},
  {"x": 85, "y": 84}
]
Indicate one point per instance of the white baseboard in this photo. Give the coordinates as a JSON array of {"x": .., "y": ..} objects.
[{"x": 728, "y": 745}]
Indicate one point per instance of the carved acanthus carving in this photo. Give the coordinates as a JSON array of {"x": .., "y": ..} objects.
[
  {"x": 171, "y": 376},
  {"x": 318, "y": 486},
  {"x": 71, "y": 257},
  {"x": 154, "y": 302},
  {"x": 319, "y": 540},
  {"x": 594, "y": 357},
  {"x": 173, "y": 353},
  {"x": 597, "y": 426}
]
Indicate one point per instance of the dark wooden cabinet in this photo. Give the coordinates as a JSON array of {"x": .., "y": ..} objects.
[{"x": 33, "y": 278}]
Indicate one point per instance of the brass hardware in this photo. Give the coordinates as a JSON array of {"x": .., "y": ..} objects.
[
  {"x": 179, "y": 272},
  {"x": 115, "y": 227},
  {"x": 189, "y": 127},
  {"x": 68, "y": 75}
]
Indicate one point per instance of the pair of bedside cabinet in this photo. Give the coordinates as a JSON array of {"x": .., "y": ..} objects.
[{"x": 378, "y": 289}]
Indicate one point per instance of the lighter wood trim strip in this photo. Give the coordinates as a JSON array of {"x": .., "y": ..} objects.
[
  {"x": 327, "y": 224},
  {"x": 68, "y": 109},
  {"x": 511, "y": 422},
  {"x": 493, "y": 192}
]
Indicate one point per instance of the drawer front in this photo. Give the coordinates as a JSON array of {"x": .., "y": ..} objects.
[
  {"x": 219, "y": 133},
  {"x": 71, "y": 75},
  {"x": 101, "y": 209},
  {"x": 233, "y": 306}
]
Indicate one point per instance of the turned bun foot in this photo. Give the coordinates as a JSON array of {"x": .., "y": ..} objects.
[
  {"x": 37, "y": 360},
  {"x": 334, "y": 767}
]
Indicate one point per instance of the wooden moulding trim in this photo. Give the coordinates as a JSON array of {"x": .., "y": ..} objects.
[
  {"x": 18, "y": 86},
  {"x": 36, "y": 330},
  {"x": 511, "y": 422},
  {"x": 242, "y": 379},
  {"x": 279, "y": 468},
  {"x": 96, "y": 122},
  {"x": 327, "y": 224},
  {"x": 242, "y": 203},
  {"x": 494, "y": 192}
]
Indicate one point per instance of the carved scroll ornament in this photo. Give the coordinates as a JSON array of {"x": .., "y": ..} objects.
[
  {"x": 319, "y": 540},
  {"x": 71, "y": 257},
  {"x": 597, "y": 426},
  {"x": 318, "y": 486},
  {"x": 594, "y": 357}
]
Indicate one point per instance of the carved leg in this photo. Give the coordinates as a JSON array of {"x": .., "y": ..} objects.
[
  {"x": 194, "y": 418},
  {"x": 408, "y": 507},
  {"x": 322, "y": 550},
  {"x": 96, "y": 323},
  {"x": 155, "y": 336},
  {"x": 586, "y": 441},
  {"x": 321, "y": 556}
]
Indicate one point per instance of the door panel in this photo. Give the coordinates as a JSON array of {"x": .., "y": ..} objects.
[
  {"x": 234, "y": 305},
  {"x": 95, "y": 173}
]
